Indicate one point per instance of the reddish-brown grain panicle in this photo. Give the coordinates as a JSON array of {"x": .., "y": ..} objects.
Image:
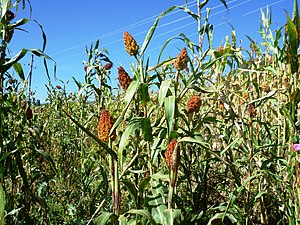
[
  {"x": 108, "y": 66},
  {"x": 182, "y": 59},
  {"x": 193, "y": 104},
  {"x": 169, "y": 152},
  {"x": 266, "y": 87},
  {"x": 9, "y": 15},
  {"x": 131, "y": 46},
  {"x": 28, "y": 113},
  {"x": 124, "y": 78},
  {"x": 104, "y": 126},
  {"x": 251, "y": 110}
]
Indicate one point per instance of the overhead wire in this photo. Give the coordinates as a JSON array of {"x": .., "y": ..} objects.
[
  {"x": 128, "y": 27},
  {"x": 226, "y": 22},
  {"x": 165, "y": 24}
]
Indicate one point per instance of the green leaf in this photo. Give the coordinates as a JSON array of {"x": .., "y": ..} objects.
[
  {"x": 19, "y": 70},
  {"x": 193, "y": 140},
  {"x": 157, "y": 213},
  {"x": 143, "y": 184},
  {"x": 172, "y": 216},
  {"x": 147, "y": 129},
  {"x": 163, "y": 90},
  {"x": 90, "y": 134},
  {"x": 293, "y": 44},
  {"x": 47, "y": 156},
  {"x": 295, "y": 15},
  {"x": 2, "y": 205},
  {"x": 143, "y": 213},
  {"x": 224, "y": 3},
  {"x": 131, "y": 91},
  {"x": 170, "y": 105},
  {"x": 20, "y": 22},
  {"x": 131, "y": 190},
  {"x": 6, "y": 66},
  {"x": 43, "y": 35},
  {"x": 134, "y": 124},
  {"x": 152, "y": 29},
  {"x": 187, "y": 10},
  {"x": 143, "y": 93},
  {"x": 220, "y": 216},
  {"x": 105, "y": 217},
  {"x": 5, "y": 4},
  {"x": 163, "y": 63},
  {"x": 238, "y": 140}
]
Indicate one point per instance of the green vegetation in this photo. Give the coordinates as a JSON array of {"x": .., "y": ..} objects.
[{"x": 205, "y": 137}]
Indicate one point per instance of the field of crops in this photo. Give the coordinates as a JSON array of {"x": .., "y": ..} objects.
[{"x": 208, "y": 136}]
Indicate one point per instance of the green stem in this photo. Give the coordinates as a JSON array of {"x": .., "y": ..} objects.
[
  {"x": 117, "y": 189},
  {"x": 112, "y": 179},
  {"x": 115, "y": 185}
]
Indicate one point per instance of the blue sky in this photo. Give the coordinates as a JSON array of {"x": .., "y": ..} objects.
[{"x": 71, "y": 26}]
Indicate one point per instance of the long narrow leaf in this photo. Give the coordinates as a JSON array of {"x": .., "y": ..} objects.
[
  {"x": 90, "y": 134},
  {"x": 143, "y": 213},
  {"x": 105, "y": 217},
  {"x": 169, "y": 105},
  {"x": 152, "y": 29}
]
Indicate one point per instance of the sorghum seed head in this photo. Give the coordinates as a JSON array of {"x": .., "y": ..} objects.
[
  {"x": 9, "y": 15},
  {"x": 265, "y": 87},
  {"x": 221, "y": 106},
  {"x": 131, "y": 46},
  {"x": 23, "y": 104},
  {"x": 169, "y": 153},
  {"x": 28, "y": 113},
  {"x": 105, "y": 124},
  {"x": 182, "y": 59},
  {"x": 58, "y": 87},
  {"x": 108, "y": 66},
  {"x": 244, "y": 96},
  {"x": 193, "y": 104},
  {"x": 124, "y": 78},
  {"x": 10, "y": 81},
  {"x": 251, "y": 110}
]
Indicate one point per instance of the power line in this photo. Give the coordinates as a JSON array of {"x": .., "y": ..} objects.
[
  {"x": 163, "y": 25},
  {"x": 225, "y": 22},
  {"x": 131, "y": 26}
]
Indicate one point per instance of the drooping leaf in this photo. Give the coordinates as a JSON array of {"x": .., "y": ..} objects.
[
  {"x": 164, "y": 87},
  {"x": 131, "y": 91},
  {"x": 90, "y": 134},
  {"x": 105, "y": 217},
  {"x": 132, "y": 126},
  {"x": 19, "y": 70},
  {"x": 131, "y": 190},
  {"x": 172, "y": 216},
  {"x": 144, "y": 213},
  {"x": 153, "y": 28},
  {"x": 169, "y": 105},
  {"x": 157, "y": 213},
  {"x": 47, "y": 156}
]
